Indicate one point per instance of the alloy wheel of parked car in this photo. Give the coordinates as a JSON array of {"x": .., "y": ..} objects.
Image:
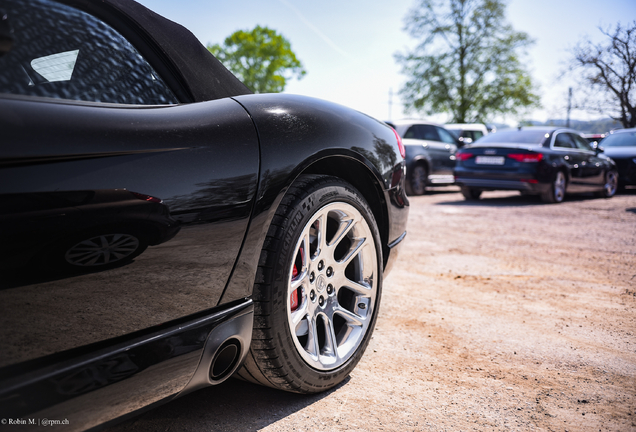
[
  {"x": 317, "y": 300},
  {"x": 611, "y": 185},
  {"x": 418, "y": 180},
  {"x": 556, "y": 192}
]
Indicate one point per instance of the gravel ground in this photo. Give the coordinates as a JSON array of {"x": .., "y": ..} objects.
[{"x": 504, "y": 314}]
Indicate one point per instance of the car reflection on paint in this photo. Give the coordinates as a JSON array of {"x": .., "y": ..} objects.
[{"x": 80, "y": 230}]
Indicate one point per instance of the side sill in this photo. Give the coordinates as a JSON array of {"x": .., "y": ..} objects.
[{"x": 102, "y": 382}]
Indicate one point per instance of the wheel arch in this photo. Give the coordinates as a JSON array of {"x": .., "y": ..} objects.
[{"x": 359, "y": 176}]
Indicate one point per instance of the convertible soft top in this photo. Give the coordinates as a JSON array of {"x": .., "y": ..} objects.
[{"x": 201, "y": 73}]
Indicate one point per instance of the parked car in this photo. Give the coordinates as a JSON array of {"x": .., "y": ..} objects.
[
  {"x": 163, "y": 228},
  {"x": 430, "y": 154},
  {"x": 467, "y": 133},
  {"x": 549, "y": 162},
  {"x": 593, "y": 139},
  {"x": 621, "y": 147}
]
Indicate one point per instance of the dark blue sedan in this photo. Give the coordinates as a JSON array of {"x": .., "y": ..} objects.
[{"x": 549, "y": 162}]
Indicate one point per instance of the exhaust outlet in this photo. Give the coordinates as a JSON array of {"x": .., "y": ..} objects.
[
  {"x": 224, "y": 351},
  {"x": 225, "y": 360}
]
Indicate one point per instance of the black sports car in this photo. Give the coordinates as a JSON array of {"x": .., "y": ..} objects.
[
  {"x": 163, "y": 228},
  {"x": 536, "y": 160},
  {"x": 621, "y": 147}
]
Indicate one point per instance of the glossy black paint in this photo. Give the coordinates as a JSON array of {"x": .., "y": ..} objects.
[
  {"x": 126, "y": 368},
  {"x": 584, "y": 169},
  {"x": 300, "y": 135},
  {"x": 95, "y": 344}
]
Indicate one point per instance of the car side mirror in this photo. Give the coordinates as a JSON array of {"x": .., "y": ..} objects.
[{"x": 599, "y": 149}]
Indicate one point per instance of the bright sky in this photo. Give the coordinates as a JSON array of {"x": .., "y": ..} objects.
[{"x": 347, "y": 46}]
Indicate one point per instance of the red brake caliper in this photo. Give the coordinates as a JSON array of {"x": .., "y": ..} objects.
[{"x": 293, "y": 300}]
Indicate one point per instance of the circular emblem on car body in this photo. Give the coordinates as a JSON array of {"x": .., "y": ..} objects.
[{"x": 321, "y": 283}]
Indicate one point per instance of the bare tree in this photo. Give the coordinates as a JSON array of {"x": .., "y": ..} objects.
[{"x": 609, "y": 69}]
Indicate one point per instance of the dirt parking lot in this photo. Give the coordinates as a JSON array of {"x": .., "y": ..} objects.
[{"x": 503, "y": 314}]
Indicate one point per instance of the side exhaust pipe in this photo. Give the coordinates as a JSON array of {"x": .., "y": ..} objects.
[{"x": 224, "y": 351}]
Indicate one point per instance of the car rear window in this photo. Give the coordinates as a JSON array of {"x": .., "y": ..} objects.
[
  {"x": 625, "y": 139},
  {"x": 59, "y": 52},
  {"x": 516, "y": 136}
]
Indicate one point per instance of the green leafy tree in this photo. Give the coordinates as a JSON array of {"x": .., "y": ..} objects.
[
  {"x": 467, "y": 62},
  {"x": 261, "y": 58},
  {"x": 609, "y": 74}
]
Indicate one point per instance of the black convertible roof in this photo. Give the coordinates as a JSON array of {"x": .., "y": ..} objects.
[{"x": 202, "y": 75}]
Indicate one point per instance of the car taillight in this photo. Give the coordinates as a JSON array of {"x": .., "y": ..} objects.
[
  {"x": 400, "y": 145},
  {"x": 464, "y": 156},
  {"x": 526, "y": 157},
  {"x": 145, "y": 197}
]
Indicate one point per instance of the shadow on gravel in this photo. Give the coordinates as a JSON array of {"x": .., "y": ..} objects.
[
  {"x": 514, "y": 201},
  {"x": 231, "y": 406}
]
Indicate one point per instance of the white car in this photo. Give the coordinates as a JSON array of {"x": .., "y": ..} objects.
[{"x": 467, "y": 132}]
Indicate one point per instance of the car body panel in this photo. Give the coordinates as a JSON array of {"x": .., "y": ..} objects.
[
  {"x": 291, "y": 129},
  {"x": 140, "y": 150}
]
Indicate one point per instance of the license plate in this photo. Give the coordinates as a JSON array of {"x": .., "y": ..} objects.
[{"x": 489, "y": 160}]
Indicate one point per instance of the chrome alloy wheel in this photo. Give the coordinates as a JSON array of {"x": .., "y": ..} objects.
[
  {"x": 332, "y": 286},
  {"x": 559, "y": 187},
  {"x": 102, "y": 250}
]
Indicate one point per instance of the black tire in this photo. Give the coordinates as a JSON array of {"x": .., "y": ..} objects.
[
  {"x": 470, "y": 194},
  {"x": 282, "y": 354},
  {"x": 610, "y": 187},
  {"x": 556, "y": 192},
  {"x": 417, "y": 180}
]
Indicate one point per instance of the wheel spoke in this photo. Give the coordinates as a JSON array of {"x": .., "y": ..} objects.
[
  {"x": 357, "y": 288},
  {"x": 352, "y": 318},
  {"x": 343, "y": 229},
  {"x": 354, "y": 250},
  {"x": 321, "y": 232},
  {"x": 299, "y": 313},
  {"x": 312, "y": 341},
  {"x": 329, "y": 348}
]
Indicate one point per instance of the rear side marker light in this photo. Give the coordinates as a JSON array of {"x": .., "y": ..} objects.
[
  {"x": 533, "y": 181},
  {"x": 400, "y": 144},
  {"x": 145, "y": 197},
  {"x": 464, "y": 156},
  {"x": 526, "y": 157}
]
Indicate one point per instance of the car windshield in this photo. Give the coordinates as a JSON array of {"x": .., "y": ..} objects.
[
  {"x": 624, "y": 139},
  {"x": 533, "y": 137}
]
